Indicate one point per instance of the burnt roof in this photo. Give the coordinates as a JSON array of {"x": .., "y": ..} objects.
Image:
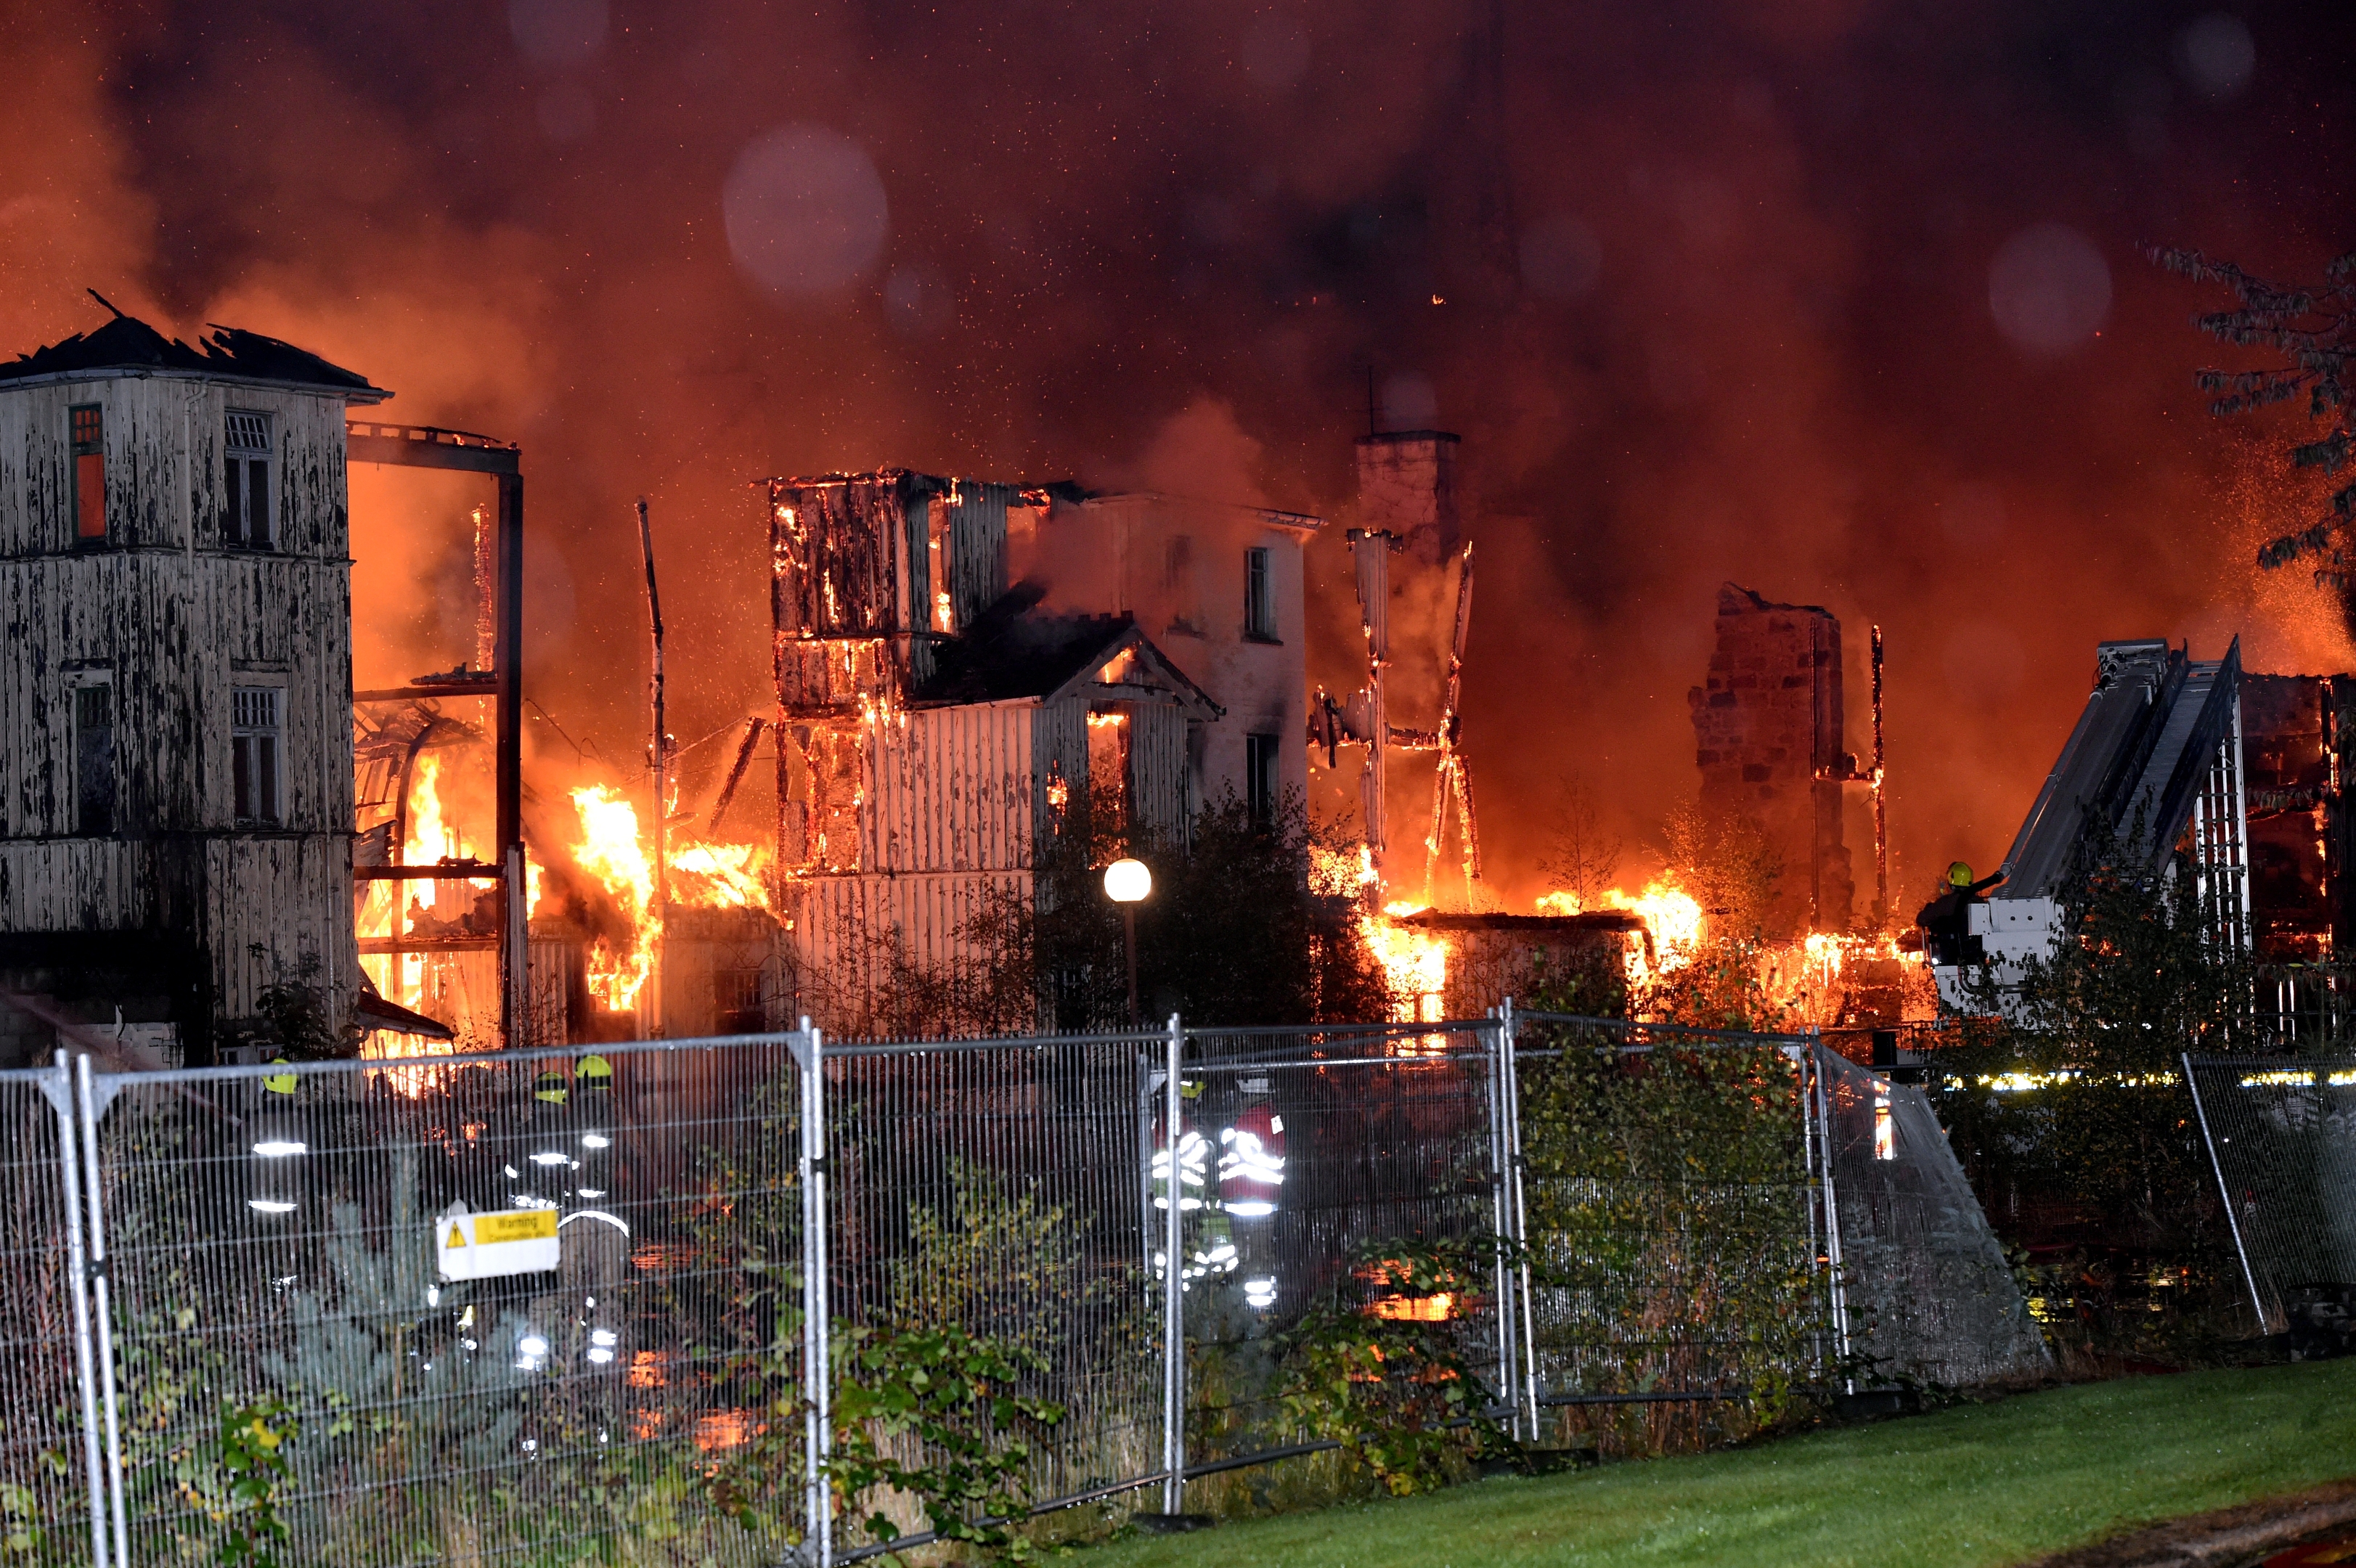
[
  {"x": 126, "y": 343},
  {"x": 1011, "y": 653}
]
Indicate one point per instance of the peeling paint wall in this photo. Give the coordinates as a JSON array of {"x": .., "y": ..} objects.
[{"x": 175, "y": 619}]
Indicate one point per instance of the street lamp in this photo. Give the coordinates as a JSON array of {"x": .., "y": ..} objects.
[{"x": 1125, "y": 883}]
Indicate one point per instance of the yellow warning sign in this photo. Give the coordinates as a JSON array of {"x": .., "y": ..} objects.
[
  {"x": 504, "y": 1241},
  {"x": 518, "y": 1225}
]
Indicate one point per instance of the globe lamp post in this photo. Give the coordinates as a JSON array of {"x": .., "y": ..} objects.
[{"x": 1126, "y": 882}]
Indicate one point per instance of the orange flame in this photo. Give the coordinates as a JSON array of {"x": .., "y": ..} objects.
[
  {"x": 610, "y": 851},
  {"x": 1669, "y": 913},
  {"x": 1415, "y": 962}
]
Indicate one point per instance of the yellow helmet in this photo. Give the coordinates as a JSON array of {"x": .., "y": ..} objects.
[
  {"x": 548, "y": 1088},
  {"x": 1959, "y": 875},
  {"x": 278, "y": 1083},
  {"x": 593, "y": 1071}
]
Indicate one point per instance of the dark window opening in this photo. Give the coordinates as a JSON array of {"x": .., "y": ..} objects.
[
  {"x": 245, "y": 482},
  {"x": 253, "y": 752},
  {"x": 736, "y": 1000},
  {"x": 90, "y": 472},
  {"x": 1178, "y": 585},
  {"x": 1259, "y": 597},
  {"x": 93, "y": 714},
  {"x": 1260, "y": 778}
]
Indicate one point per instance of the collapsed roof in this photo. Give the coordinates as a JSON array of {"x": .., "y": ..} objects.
[{"x": 128, "y": 344}]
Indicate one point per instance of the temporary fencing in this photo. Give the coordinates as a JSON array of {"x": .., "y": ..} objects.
[
  {"x": 598, "y": 1305},
  {"x": 2281, "y": 1137},
  {"x": 1929, "y": 1295}
]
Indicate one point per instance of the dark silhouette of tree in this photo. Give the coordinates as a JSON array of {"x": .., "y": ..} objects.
[{"x": 2312, "y": 327}]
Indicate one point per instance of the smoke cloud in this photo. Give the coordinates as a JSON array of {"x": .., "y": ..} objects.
[{"x": 1838, "y": 300}]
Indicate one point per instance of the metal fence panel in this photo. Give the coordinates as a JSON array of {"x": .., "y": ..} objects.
[
  {"x": 998, "y": 1185},
  {"x": 284, "y": 1237},
  {"x": 2281, "y": 1134},
  {"x": 1304, "y": 1148},
  {"x": 1672, "y": 1211},
  {"x": 1929, "y": 1295},
  {"x": 48, "y": 1439}
]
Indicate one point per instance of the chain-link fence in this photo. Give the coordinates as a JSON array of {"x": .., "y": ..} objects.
[
  {"x": 2281, "y": 1134},
  {"x": 557, "y": 1307}
]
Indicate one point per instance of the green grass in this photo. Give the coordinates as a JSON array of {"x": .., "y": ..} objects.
[{"x": 1987, "y": 1484}]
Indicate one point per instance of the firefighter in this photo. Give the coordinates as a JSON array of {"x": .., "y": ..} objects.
[
  {"x": 596, "y": 1237},
  {"x": 1946, "y": 920},
  {"x": 1193, "y": 1171},
  {"x": 540, "y": 1160},
  {"x": 1251, "y": 1178},
  {"x": 278, "y": 1144}
]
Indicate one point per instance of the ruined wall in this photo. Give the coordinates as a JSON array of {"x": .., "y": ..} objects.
[{"x": 1767, "y": 739}]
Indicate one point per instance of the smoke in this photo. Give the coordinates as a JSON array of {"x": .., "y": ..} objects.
[{"x": 1714, "y": 289}]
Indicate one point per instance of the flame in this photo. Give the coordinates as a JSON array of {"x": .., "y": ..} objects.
[
  {"x": 1669, "y": 913},
  {"x": 1415, "y": 962},
  {"x": 609, "y": 851},
  {"x": 720, "y": 876},
  {"x": 1341, "y": 873}
]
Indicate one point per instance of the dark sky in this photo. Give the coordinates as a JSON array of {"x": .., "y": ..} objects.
[{"x": 1840, "y": 299}]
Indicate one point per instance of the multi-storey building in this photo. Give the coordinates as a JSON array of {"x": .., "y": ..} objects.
[{"x": 175, "y": 754}]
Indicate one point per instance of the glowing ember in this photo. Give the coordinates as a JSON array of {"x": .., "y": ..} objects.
[
  {"x": 1341, "y": 873},
  {"x": 610, "y": 851}
]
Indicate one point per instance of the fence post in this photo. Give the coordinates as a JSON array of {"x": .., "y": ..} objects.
[
  {"x": 818, "y": 1538},
  {"x": 1527, "y": 1315},
  {"x": 1823, "y": 1118},
  {"x": 1515, "y": 1373},
  {"x": 2232, "y": 1220},
  {"x": 90, "y": 1102},
  {"x": 59, "y": 1091},
  {"x": 1173, "y": 1287}
]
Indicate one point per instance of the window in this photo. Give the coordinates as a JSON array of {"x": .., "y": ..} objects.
[
  {"x": 253, "y": 752},
  {"x": 1259, "y": 597},
  {"x": 94, "y": 755},
  {"x": 736, "y": 1001},
  {"x": 90, "y": 472},
  {"x": 245, "y": 482},
  {"x": 1260, "y": 778},
  {"x": 1178, "y": 585}
]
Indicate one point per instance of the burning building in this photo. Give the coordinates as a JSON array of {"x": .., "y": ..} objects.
[
  {"x": 1410, "y": 512},
  {"x": 938, "y": 726},
  {"x": 2295, "y": 749},
  {"x": 1217, "y": 584},
  {"x": 177, "y": 767},
  {"x": 1768, "y": 731}
]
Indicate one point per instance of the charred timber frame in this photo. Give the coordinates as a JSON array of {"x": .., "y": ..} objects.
[{"x": 426, "y": 446}]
